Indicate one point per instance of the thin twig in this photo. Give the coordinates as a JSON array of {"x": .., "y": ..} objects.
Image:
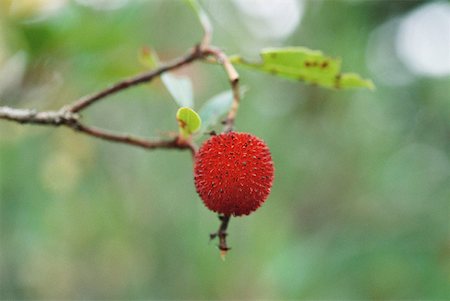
[
  {"x": 233, "y": 78},
  {"x": 55, "y": 118},
  {"x": 222, "y": 234},
  {"x": 71, "y": 120},
  {"x": 69, "y": 117},
  {"x": 146, "y": 77},
  {"x": 132, "y": 140}
]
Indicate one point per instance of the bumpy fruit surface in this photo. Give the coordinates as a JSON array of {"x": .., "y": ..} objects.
[{"x": 233, "y": 173}]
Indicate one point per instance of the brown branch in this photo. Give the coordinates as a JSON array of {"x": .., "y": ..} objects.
[
  {"x": 222, "y": 234},
  {"x": 200, "y": 51},
  {"x": 233, "y": 78},
  {"x": 69, "y": 117},
  {"x": 146, "y": 77},
  {"x": 66, "y": 118},
  {"x": 55, "y": 118},
  {"x": 132, "y": 140}
]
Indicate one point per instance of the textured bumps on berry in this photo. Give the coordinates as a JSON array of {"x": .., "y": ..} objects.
[{"x": 233, "y": 173}]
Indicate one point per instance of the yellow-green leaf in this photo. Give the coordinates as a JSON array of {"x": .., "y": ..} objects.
[
  {"x": 303, "y": 64},
  {"x": 188, "y": 121}
]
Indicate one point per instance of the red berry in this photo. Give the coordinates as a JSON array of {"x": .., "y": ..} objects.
[{"x": 233, "y": 173}]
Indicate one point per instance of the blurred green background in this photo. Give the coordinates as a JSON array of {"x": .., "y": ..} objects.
[{"x": 360, "y": 206}]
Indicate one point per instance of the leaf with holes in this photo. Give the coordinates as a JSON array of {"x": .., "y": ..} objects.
[{"x": 303, "y": 64}]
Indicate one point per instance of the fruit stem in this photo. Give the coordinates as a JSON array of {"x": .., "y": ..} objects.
[{"x": 222, "y": 234}]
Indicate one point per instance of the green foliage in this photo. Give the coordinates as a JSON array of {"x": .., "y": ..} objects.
[
  {"x": 189, "y": 121},
  {"x": 214, "y": 108},
  {"x": 303, "y": 64},
  {"x": 359, "y": 209},
  {"x": 179, "y": 87}
]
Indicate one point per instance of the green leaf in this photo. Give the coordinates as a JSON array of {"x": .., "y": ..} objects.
[
  {"x": 189, "y": 122},
  {"x": 214, "y": 108},
  {"x": 217, "y": 106},
  {"x": 303, "y": 64},
  {"x": 179, "y": 87}
]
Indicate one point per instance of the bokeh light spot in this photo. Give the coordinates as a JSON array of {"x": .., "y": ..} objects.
[
  {"x": 276, "y": 19},
  {"x": 423, "y": 40}
]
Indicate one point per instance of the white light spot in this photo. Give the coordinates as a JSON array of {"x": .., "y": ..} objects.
[
  {"x": 275, "y": 19},
  {"x": 423, "y": 40}
]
